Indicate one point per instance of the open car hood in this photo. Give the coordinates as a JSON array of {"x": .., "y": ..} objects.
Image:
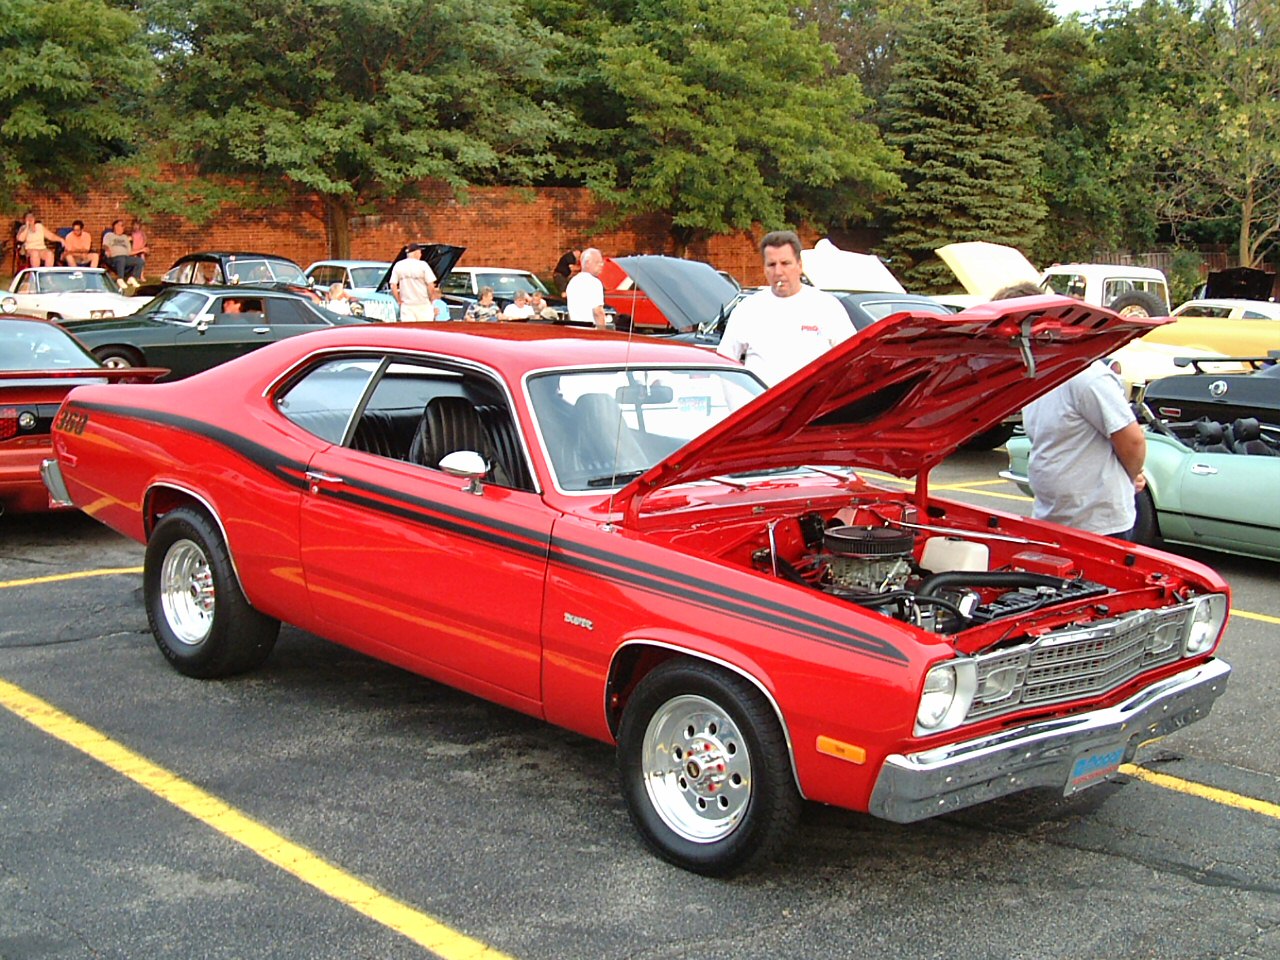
[
  {"x": 985, "y": 268},
  {"x": 1239, "y": 283},
  {"x": 440, "y": 257},
  {"x": 688, "y": 292},
  {"x": 830, "y": 268},
  {"x": 903, "y": 394}
]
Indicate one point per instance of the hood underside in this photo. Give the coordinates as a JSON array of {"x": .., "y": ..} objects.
[
  {"x": 905, "y": 393},
  {"x": 688, "y": 292},
  {"x": 830, "y": 268},
  {"x": 984, "y": 268}
]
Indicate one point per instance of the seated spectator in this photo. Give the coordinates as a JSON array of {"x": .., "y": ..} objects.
[
  {"x": 75, "y": 247},
  {"x": 541, "y": 309},
  {"x": 519, "y": 308},
  {"x": 36, "y": 241},
  {"x": 484, "y": 309},
  {"x": 337, "y": 299},
  {"x": 438, "y": 302},
  {"x": 117, "y": 252},
  {"x": 138, "y": 243}
]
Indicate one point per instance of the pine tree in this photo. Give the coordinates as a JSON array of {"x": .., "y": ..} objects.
[{"x": 967, "y": 133}]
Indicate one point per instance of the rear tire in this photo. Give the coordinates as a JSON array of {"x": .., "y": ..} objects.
[
  {"x": 705, "y": 770},
  {"x": 199, "y": 616}
]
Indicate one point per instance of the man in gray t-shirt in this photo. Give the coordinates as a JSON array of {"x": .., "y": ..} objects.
[{"x": 1087, "y": 452}]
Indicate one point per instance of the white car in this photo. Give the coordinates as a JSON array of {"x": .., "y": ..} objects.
[
  {"x": 984, "y": 268},
  {"x": 68, "y": 293},
  {"x": 1230, "y": 309}
]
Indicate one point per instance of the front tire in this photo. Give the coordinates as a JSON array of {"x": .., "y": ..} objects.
[
  {"x": 199, "y": 616},
  {"x": 1146, "y": 528},
  {"x": 705, "y": 771},
  {"x": 116, "y": 357}
]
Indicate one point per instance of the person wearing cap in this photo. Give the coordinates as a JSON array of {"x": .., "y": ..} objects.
[{"x": 411, "y": 280}]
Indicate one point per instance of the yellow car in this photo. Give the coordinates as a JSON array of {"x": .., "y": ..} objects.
[{"x": 1236, "y": 328}]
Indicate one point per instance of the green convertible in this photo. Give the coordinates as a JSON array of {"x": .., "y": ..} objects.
[{"x": 1209, "y": 484}]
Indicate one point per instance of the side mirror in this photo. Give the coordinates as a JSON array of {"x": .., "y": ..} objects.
[
  {"x": 202, "y": 325},
  {"x": 468, "y": 465}
]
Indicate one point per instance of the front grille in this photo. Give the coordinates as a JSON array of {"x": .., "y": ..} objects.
[{"x": 1076, "y": 662}]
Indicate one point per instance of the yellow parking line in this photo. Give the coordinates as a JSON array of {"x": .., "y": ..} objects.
[
  {"x": 78, "y": 575},
  {"x": 1255, "y": 616},
  {"x": 970, "y": 483},
  {"x": 1225, "y": 797},
  {"x": 231, "y": 823}
]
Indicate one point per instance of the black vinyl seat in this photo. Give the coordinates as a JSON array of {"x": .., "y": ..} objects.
[
  {"x": 602, "y": 444},
  {"x": 1246, "y": 438},
  {"x": 450, "y": 424}
]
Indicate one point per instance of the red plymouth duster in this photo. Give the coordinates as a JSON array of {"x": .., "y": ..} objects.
[{"x": 752, "y": 592}]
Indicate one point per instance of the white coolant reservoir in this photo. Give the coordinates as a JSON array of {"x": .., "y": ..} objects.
[{"x": 944, "y": 554}]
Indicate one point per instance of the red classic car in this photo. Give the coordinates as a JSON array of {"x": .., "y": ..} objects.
[
  {"x": 39, "y": 364},
  {"x": 637, "y": 541}
]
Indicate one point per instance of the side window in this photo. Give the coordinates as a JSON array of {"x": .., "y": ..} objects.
[
  {"x": 421, "y": 414},
  {"x": 323, "y": 276},
  {"x": 456, "y": 283},
  {"x": 323, "y": 401},
  {"x": 1065, "y": 285},
  {"x": 27, "y": 284},
  {"x": 281, "y": 311}
]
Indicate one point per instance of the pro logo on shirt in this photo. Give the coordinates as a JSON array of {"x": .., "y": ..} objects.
[{"x": 809, "y": 328}]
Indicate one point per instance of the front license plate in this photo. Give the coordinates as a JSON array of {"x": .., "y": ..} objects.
[{"x": 1093, "y": 768}]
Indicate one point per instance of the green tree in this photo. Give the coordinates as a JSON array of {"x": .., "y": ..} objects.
[
  {"x": 1209, "y": 137},
  {"x": 969, "y": 138},
  {"x": 359, "y": 100},
  {"x": 727, "y": 113},
  {"x": 71, "y": 70}
]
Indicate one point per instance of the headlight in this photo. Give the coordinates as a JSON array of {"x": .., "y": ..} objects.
[
  {"x": 946, "y": 696},
  {"x": 1207, "y": 617},
  {"x": 27, "y": 420}
]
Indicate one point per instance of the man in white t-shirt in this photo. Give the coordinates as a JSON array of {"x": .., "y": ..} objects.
[
  {"x": 788, "y": 325},
  {"x": 585, "y": 292},
  {"x": 411, "y": 281}
]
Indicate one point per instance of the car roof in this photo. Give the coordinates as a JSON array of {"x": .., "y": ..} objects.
[
  {"x": 349, "y": 263},
  {"x": 236, "y": 290},
  {"x": 1108, "y": 270},
  {"x": 233, "y": 253},
  {"x": 62, "y": 270},
  {"x": 477, "y": 269},
  {"x": 1269, "y": 305}
]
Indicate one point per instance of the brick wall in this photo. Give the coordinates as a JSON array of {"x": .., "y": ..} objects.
[{"x": 505, "y": 226}]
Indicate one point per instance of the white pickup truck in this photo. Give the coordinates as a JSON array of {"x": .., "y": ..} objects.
[{"x": 983, "y": 268}]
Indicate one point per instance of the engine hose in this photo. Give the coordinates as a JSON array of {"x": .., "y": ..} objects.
[
  {"x": 988, "y": 578},
  {"x": 898, "y": 596}
]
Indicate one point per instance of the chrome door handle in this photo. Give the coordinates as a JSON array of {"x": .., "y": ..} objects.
[
  {"x": 318, "y": 476},
  {"x": 1203, "y": 469},
  {"x": 263, "y": 330}
]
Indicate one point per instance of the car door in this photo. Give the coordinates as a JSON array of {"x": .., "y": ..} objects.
[
  {"x": 1227, "y": 499},
  {"x": 430, "y": 574}
]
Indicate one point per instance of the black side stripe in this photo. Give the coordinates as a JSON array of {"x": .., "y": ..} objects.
[
  {"x": 735, "y": 603},
  {"x": 529, "y": 541}
]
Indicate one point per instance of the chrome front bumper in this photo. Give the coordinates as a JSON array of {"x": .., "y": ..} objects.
[
  {"x": 51, "y": 474},
  {"x": 959, "y": 775}
]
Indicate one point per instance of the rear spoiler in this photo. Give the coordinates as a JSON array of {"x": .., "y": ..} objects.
[{"x": 112, "y": 374}]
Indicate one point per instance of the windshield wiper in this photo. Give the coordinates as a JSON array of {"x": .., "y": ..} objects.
[{"x": 615, "y": 478}]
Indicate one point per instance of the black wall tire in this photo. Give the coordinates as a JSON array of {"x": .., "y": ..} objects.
[
  {"x": 1138, "y": 303},
  {"x": 705, "y": 771},
  {"x": 997, "y": 436},
  {"x": 118, "y": 357},
  {"x": 199, "y": 617},
  {"x": 1146, "y": 528}
]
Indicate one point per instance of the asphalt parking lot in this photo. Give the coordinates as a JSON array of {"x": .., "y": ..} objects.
[{"x": 332, "y": 806}]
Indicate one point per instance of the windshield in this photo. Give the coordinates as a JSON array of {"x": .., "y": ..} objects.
[
  {"x": 506, "y": 284},
  {"x": 264, "y": 270},
  {"x": 75, "y": 282},
  {"x": 602, "y": 428},
  {"x": 174, "y": 306},
  {"x": 25, "y": 345}
]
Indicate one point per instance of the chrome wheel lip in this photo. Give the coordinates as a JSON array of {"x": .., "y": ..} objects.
[
  {"x": 187, "y": 594},
  {"x": 696, "y": 768},
  {"x": 116, "y": 363}
]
